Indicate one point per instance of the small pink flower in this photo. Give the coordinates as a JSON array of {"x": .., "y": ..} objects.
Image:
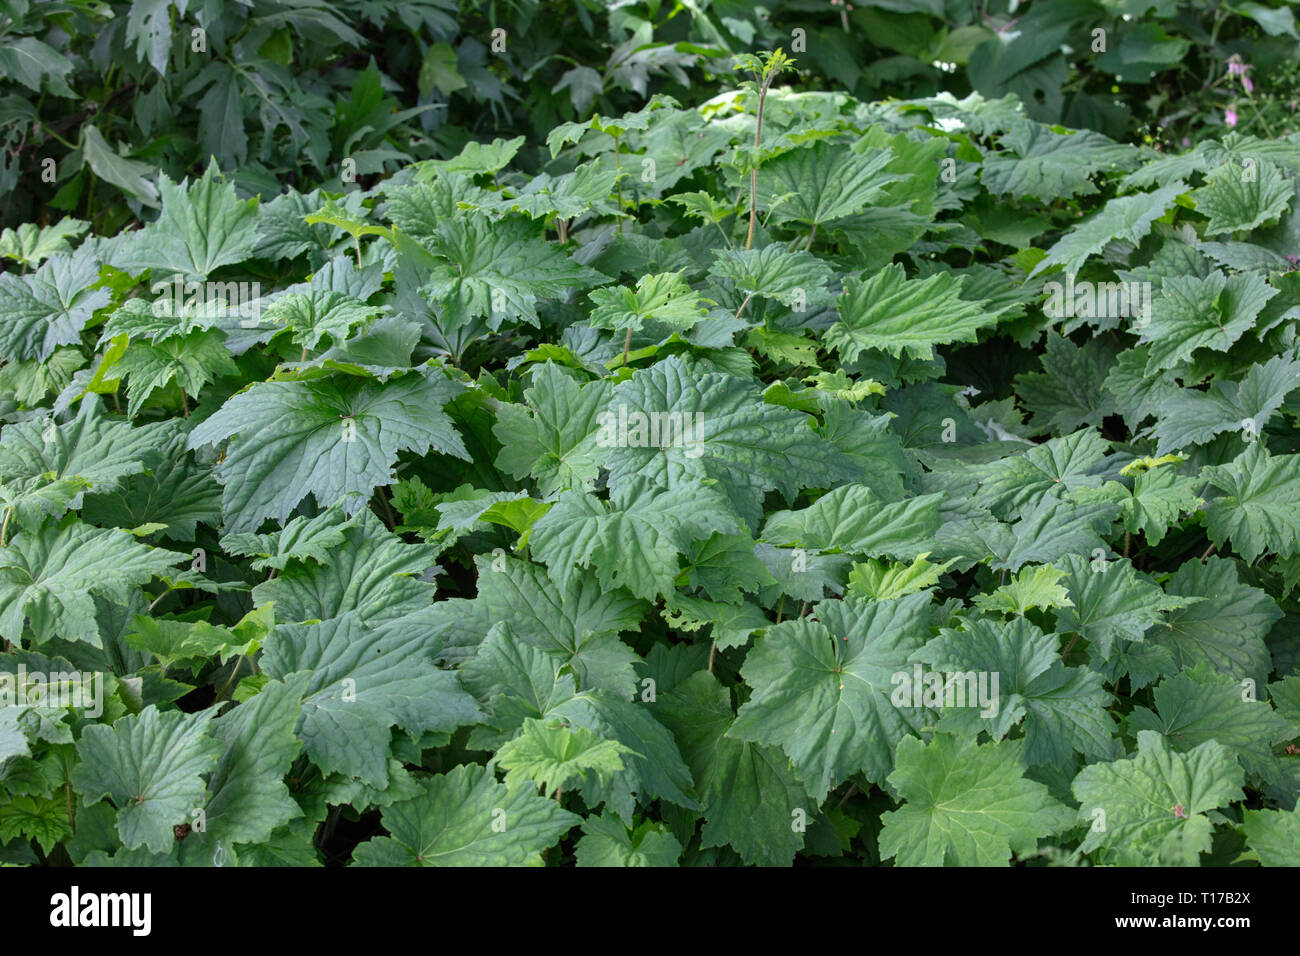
[
  {"x": 1237, "y": 68},
  {"x": 1187, "y": 143},
  {"x": 1230, "y": 116}
]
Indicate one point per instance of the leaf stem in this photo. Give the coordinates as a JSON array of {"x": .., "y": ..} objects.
[
  {"x": 388, "y": 511},
  {"x": 743, "y": 304},
  {"x": 753, "y": 173},
  {"x": 238, "y": 663}
]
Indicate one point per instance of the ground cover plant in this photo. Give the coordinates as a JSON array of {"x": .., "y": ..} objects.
[
  {"x": 774, "y": 478},
  {"x": 97, "y": 98}
]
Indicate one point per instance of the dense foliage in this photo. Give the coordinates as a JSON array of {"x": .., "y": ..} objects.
[
  {"x": 96, "y": 96},
  {"x": 784, "y": 478}
]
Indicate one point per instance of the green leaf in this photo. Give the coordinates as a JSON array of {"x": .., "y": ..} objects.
[
  {"x": 1054, "y": 530},
  {"x": 1151, "y": 808},
  {"x": 191, "y": 362},
  {"x": 334, "y": 438},
  {"x": 31, "y": 381},
  {"x": 966, "y": 805},
  {"x": 663, "y": 298},
  {"x": 174, "y": 642},
  {"x": 150, "y": 766},
  {"x": 516, "y": 681},
  {"x": 177, "y": 492},
  {"x": 315, "y": 315},
  {"x": 248, "y": 798},
  {"x": 363, "y": 683},
  {"x": 634, "y": 540},
  {"x": 221, "y": 120},
  {"x": 1239, "y": 198},
  {"x": 476, "y": 158},
  {"x": 1226, "y": 628},
  {"x": 579, "y": 620},
  {"x": 167, "y": 317},
  {"x": 95, "y": 451},
  {"x": 1125, "y": 217},
  {"x": 131, "y": 176},
  {"x": 654, "y": 766},
  {"x": 49, "y": 307},
  {"x": 466, "y": 818},
  {"x": 149, "y": 29},
  {"x": 732, "y": 624},
  {"x": 547, "y": 438},
  {"x": 1160, "y": 497},
  {"x": 556, "y": 756},
  {"x": 1190, "y": 417},
  {"x": 1046, "y": 164},
  {"x": 203, "y": 226},
  {"x": 1192, "y": 313},
  {"x": 51, "y": 575},
  {"x": 30, "y": 62},
  {"x": 498, "y": 271},
  {"x": 726, "y": 565},
  {"x": 283, "y": 230},
  {"x": 678, "y": 426},
  {"x": 439, "y": 71},
  {"x": 607, "y": 842},
  {"x": 1036, "y": 587},
  {"x": 1273, "y": 835},
  {"x": 585, "y": 190},
  {"x": 32, "y": 244},
  {"x": 301, "y": 539},
  {"x": 751, "y": 798},
  {"x": 34, "y": 818},
  {"x": 905, "y": 316},
  {"x": 878, "y": 581},
  {"x": 795, "y": 279},
  {"x": 1017, "y": 483},
  {"x": 1260, "y": 506},
  {"x": 1064, "y": 396},
  {"x": 853, "y": 520},
  {"x": 1111, "y": 601},
  {"x": 1198, "y": 705},
  {"x": 822, "y": 689},
  {"x": 823, "y": 182},
  {"x": 1062, "y": 709}
]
